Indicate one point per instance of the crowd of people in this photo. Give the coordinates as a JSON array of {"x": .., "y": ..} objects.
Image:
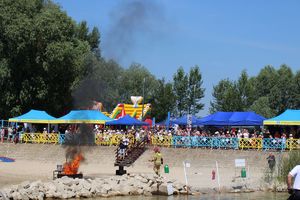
[
  {"x": 11, "y": 133},
  {"x": 228, "y": 133}
]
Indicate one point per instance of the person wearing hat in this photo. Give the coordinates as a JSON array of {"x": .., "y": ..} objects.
[
  {"x": 295, "y": 190},
  {"x": 157, "y": 160}
]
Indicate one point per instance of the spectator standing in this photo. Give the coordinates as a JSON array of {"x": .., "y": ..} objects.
[
  {"x": 295, "y": 190},
  {"x": 10, "y": 134},
  {"x": 2, "y": 134}
]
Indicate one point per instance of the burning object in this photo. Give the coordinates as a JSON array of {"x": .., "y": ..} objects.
[{"x": 70, "y": 168}]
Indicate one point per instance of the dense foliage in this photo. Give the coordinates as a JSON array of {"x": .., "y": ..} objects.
[
  {"x": 50, "y": 62},
  {"x": 269, "y": 93},
  {"x": 287, "y": 164}
]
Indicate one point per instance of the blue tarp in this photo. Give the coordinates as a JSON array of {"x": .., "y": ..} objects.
[
  {"x": 6, "y": 159},
  {"x": 183, "y": 120},
  {"x": 288, "y": 117},
  {"x": 232, "y": 119},
  {"x": 82, "y": 116},
  {"x": 127, "y": 121},
  {"x": 33, "y": 116}
]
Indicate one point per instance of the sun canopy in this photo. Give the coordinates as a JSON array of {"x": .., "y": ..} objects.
[
  {"x": 246, "y": 118},
  {"x": 33, "y": 116},
  {"x": 232, "y": 119},
  {"x": 288, "y": 117},
  {"x": 82, "y": 116},
  {"x": 183, "y": 120},
  {"x": 164, "y": 123},
  {"x": 217, "y": 119},
  {"x": 127, "y": 121}
]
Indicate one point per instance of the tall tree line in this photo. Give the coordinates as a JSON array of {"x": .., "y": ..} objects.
[
  {"x": 269, "y": 93},
  {"x": 50, "y": 62}
]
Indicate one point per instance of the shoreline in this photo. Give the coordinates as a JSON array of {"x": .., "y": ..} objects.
[
  {"x": 38, "y": 161},
  {"x": 125, "y": 185}
]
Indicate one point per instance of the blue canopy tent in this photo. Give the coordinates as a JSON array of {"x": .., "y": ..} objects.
[
  {"x": 216, "y": 119},
  {"x": 246, "y": 118},
  {"x": 127, "y": 121},
  {"x": 288, "y": 117},
  {"x": 183, "y": 120},
  {"x": 232, "y": 119},
  {"x": 82, "y": 116},
  {"x": 33, "y": 116},
  {"x": 164, "y": 123}
]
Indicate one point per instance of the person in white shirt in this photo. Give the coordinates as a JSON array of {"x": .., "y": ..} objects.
[{"x": 295, "y": 190}]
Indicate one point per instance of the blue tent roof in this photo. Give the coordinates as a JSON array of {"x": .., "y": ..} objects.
[
  {"x": 246, "y": 118},
  {"x": 164, "y": 123},
  {"x": 82, "y": 116},
  {"x": 217, "y": 119},
  {"x": 33, "y": 116},
  {"x": 232, "y": 119},
  {"x": 183, "y": 120},
  {"x": 288, "y": 117},
  {"x": 127, "y": 121}
]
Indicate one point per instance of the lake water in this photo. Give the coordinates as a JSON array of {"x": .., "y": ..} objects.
[{"x": 244, "y": 196}]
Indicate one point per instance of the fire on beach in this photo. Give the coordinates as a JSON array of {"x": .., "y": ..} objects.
[{"x": 71, "y": 166}]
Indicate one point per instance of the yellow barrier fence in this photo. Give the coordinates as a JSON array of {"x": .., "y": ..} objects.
[
  {"x": 165, "y": 141},
  {"x": 40, "y": 138},
  {"x": 250, "y": 143},
  {"x": 293, "y": 144}
]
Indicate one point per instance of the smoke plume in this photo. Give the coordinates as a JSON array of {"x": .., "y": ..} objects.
[{"x": 129, "y": 21}]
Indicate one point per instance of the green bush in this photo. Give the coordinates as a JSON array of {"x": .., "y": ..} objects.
[{"x": 287, "y": 164}]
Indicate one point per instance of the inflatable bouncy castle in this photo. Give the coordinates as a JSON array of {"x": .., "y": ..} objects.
[{"x": 134, "y": 110}]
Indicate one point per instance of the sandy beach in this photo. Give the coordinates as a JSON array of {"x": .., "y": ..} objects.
[{"x": 37, "y": 162}]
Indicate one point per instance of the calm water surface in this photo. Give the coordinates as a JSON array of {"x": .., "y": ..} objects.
[{"x": 246, "y": 196}]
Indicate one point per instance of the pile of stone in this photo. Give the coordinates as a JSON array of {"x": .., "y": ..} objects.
[{"x": 64, "y": 188}]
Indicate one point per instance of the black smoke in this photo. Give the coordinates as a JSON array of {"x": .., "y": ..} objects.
[{"x": 130, "y": 20}]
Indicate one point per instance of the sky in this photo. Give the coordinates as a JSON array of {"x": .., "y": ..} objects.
[{"x": 222, "y": 37}]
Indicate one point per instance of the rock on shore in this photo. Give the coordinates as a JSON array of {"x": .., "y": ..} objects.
[{"x": 64, "y": 188}]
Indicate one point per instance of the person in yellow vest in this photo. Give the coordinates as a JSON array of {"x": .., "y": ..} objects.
[{"x": 157, "y": 160}]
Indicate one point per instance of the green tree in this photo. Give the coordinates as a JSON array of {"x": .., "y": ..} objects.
[
  {"x": 245, "y": 91},
  {"x": 195, "y": 91},
  {"x": 41, "y": 58},
  {"x": 281, "y": 94},
  {"x": 296, "y": 89},
  {"x": 100, "y": 83},
  {"x": 132, "y": 82},
  {"x": 225, "y": 97},
  {"x": 262, "y": 107},
  {"x": 93, "y": 38},
  {"x": 180, "y": 89},
  {"x": 163, "y": 101},
  {"x": 265, "y": 80}
]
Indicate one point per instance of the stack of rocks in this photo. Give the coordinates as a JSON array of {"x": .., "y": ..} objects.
[{"x": 128, "y": 184}]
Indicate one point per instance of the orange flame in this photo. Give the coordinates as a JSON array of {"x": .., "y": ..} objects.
[{"x": 71, "y": 168}]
